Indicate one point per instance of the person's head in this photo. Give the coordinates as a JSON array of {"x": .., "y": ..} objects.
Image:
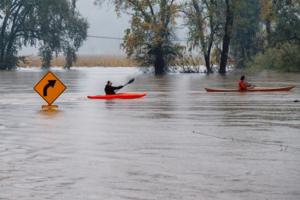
[
  {"x": 242, "y": 78},
  {"x": 109, "y": 83}
]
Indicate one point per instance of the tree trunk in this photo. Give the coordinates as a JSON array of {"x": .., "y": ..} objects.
[
  {"x": 46, "y": 56},
  {"x": 2, "y": 63},
  {"x": 226, "y": 38},
  {"x": 268, "y": 30},
  {"x": 8, "y": 59},
  {"x": 70, "y": 57},
  {"x": 11, "y": 59},
  {"x": 159, "y": 64},
  {"x": 207, "y": 63}
]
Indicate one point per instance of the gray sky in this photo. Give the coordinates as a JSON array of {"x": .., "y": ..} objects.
[{"x": 104, "y": 22}]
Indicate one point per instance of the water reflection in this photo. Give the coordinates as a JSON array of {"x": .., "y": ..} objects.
[{"x": 50, "y": 114}]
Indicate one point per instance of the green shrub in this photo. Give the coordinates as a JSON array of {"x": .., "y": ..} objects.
[{"x": 284, "y": 58}]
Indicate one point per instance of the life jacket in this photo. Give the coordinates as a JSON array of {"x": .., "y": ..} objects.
[{"x": 242, "y": 85}]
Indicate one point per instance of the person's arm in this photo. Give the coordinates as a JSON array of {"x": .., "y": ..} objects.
[{"x": 117, "y": 88}]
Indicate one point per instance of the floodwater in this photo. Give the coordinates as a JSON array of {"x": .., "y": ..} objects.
[{"x": 179, "y": 142}]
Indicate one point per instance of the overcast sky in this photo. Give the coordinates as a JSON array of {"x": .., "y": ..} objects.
[{"x": 103, "y": 22}]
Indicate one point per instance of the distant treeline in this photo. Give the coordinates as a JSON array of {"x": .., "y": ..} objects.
[{"x": 256, "y": 33}]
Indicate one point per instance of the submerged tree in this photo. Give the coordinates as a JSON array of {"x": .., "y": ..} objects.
[
  {"x": 246, "y": 38},
  {"x": 150, "y": 38},
  {"x": 211, "y": 22},
  {"x": 229, "y": 12},
  {"x": 203, "y": 21},
  {"x": 51, "y": 24},
  {"x": 68, "y": 33}
]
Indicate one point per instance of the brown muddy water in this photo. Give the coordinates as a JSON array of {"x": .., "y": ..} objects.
[{"x": 177, "y": 143}]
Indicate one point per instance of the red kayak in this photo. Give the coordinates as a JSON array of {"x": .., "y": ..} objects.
[
  {"x": 254, "y": 89},
  {"x": 119, "y": 96}
]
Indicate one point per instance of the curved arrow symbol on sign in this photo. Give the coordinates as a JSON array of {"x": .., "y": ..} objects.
[{"x": 51, "y": 83}]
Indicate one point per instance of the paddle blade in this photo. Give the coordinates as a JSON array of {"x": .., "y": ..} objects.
[{"x": 131, "y": 81}]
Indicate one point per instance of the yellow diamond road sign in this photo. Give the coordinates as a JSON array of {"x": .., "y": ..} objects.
[{"x": 50, "y": 87}]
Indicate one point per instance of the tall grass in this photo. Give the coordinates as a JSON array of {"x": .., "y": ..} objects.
[{"x": 82, "y": 61}]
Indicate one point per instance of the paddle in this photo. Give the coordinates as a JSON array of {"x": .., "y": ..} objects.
[
  {"x": 129, "y": 82},
  {"x": 252, "y": 86}
]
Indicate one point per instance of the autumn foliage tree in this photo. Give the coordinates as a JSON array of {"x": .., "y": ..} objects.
[
  {"x": 150, "y": 38},
  {"x": 204, "y": 24}
]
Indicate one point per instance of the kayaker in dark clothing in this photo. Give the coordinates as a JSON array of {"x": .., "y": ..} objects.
[{"x": 109, "y": 89}]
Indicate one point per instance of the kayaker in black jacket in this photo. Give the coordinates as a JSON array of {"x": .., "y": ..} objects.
[{"x": 109, "y": 89}]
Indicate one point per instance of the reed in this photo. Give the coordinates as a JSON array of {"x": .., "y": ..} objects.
[{"x": 82, "y": 61}]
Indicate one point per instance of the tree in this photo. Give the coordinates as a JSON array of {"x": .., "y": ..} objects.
[
  {"x": 76, "y": 32},
  {"x": 47, "y": 23},
  {"x": 267, "y": 15},
  {"x": 246, "y": 38},
  {"x": 203, "y": 20},
  {"x": 69, "y": 34},
  {"x": 150, "y": 38},
  {"x": 283, "y": 36},
  {"x": 228, "y": 28},
  {"x": 287, "y": 26},
  {"x": 281, "y": 19}
]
